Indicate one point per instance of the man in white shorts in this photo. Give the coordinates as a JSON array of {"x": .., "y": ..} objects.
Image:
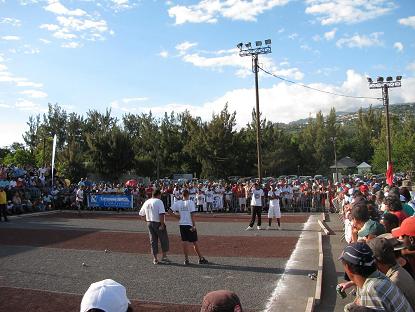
[
  {"x": 186, "y": 209},
  {"x": 274, "y": 210}
]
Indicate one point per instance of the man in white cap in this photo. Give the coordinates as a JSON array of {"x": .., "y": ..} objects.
[{"x": 106, "y": 296}]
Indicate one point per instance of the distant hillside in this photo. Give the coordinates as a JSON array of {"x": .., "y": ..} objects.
[{"x": 346, "y": 117}]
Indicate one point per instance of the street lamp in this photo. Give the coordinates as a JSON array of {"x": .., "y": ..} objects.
[
  {"x": 333, "y": 139},
  {"x": 385, "y": 85},
  {"x": 248, "y": 50}
]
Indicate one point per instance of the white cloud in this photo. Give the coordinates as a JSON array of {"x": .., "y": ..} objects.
[
  {"x": 11, "y": 38},
  {"x": 11, "y": 132},
  {"x": 50, "y": 27},
  {"x": 28, "y": 49},
  {"x": 347, "y": 11},
  {"x": 36, "y": 94},
  {"x": 11, "y": 21},
  {"x": 121, "y": 5},
  {"x": 398, "y": 46},
  {"x": 28, "y": 84},
  {"x": 2, "y": 105},
  {"x": 184, "y": 46},
  {"x": 58, "y": 8},
  {"x": 408, "y": 21},
  {"x": 230, "y": 59},
  {"x": 164, "y": 54},
  {"x": 360, "y": 41},
  {"x": 3, "y": 67},
  {"x": 208, "y": 11},
  {"x": 45, "y": 41},
  {"x": 78, "y": 24},
  {"x": 330, "y": 34},
  {"x": 25, "y": 104},
  {"x": 285, "y": 102},
  {"x": 71, "y": 45}
]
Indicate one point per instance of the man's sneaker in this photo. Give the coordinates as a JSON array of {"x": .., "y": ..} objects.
[
  {"x": 203, "y": 261},
  {"x": 279, "y": 227},
  {"x": 249, "y": 228},
  {"x": 186, "y": 262},
  {"x": 165, "y": 259},
  {"x": 155, "y": 261},
  {"x": 259, "y": 227},
  {"x": 268, "y": 227}
]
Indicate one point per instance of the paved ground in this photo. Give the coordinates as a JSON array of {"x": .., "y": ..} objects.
[
  {"x": 42, "y": 256},
  {"x": 333, "y": 269}
]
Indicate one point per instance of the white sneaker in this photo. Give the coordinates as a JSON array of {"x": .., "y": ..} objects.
[
  {"x": 268, "y": 227},
  {"x": 278, "y": 227},
  {"x": 249, "y": 228},
  {"x": 259, "y": 228}
]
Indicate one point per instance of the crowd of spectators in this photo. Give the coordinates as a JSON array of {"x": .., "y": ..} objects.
[{"x": 379, "y": 259}]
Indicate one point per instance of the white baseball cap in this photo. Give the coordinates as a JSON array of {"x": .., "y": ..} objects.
[{"x": 107, "y": 295}]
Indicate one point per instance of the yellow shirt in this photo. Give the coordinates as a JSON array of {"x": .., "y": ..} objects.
[{"x": 3, "y": 198}]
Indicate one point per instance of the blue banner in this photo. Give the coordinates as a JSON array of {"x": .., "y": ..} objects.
[{"x": 110, "y": 201}]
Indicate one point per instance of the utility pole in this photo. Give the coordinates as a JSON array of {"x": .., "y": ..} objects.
[
  {"x": 385, "y": 85},
  {"x": 247, "y": 50},
  {"x": 333, "y": 139}
]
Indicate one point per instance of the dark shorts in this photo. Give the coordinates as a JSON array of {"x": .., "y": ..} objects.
[{"x": 187, "y": 235}]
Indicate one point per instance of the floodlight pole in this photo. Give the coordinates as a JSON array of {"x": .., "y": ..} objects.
[
  {"x": 258, "y": 121},
  {"x": 254, "y": 52},
  {"x": 385, "y": 85}
]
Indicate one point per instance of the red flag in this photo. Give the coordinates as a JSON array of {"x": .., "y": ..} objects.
[{"x": 389, "y": 174}]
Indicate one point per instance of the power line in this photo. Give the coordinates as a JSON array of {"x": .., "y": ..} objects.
[{"x": 318, "y": 90}]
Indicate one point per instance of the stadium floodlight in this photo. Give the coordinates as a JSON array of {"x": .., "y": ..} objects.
[
  {"x": 254, "y": 52},
  {"x": 385, "y": 85}
]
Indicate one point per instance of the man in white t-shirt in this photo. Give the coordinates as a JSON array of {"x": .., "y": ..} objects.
[
  {"x": 274, "y": 210},
  {"x": 186, "y": 209},
  {"x": 153, "y": 210},
  {"x": 256, "y": 206}
]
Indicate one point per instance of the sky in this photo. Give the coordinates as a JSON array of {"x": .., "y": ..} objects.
[{"x": 162, "y": 56}]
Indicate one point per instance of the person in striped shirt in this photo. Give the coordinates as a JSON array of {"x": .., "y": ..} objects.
[{"x": 374, "y": 290}]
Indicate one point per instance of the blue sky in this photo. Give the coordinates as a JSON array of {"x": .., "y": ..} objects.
[{"x": 137, "y": 56}]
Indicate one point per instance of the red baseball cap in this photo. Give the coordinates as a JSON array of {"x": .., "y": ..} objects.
[
  {"x": 363, "y": 188},
  {"x": 407, "y": 228}
]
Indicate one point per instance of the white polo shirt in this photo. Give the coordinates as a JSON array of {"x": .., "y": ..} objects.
[
  {"x": 185, "y": 208},
  {"x": 152, "y": 208}
]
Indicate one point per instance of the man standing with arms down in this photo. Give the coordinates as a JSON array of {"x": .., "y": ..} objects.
[
  {"x": 256, "y": 206},
  {"x": 153, "y": 210},
  {"x": 186, "y": 209}
]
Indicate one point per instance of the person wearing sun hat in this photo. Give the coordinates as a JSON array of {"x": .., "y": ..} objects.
[
  {"x": 106, "y": 296},
  {"x": 374, "y": 289}
]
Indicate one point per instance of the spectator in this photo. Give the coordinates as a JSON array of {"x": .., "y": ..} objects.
[
  {"x": 106, "y": 296},
  {"x": 389, "y": 221},
  {"x": 3, "y": 205},
  {"x": 383, "y": 252},
  {"x": 221, "y": 301},
  {"x": 394, "y": 205},
  {"x": 374, "y": 290},
  {"x": 406, "y": 232}
]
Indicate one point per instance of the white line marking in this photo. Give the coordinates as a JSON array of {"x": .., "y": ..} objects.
[{"x": 281, "y": 284}]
